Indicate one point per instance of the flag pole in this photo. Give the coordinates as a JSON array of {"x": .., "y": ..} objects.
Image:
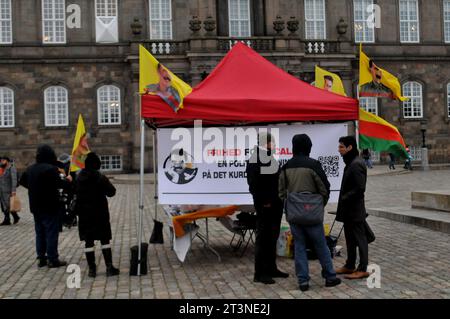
[
  {"x": 154, "y": 174},
  {"x": 141, "y": 191}
]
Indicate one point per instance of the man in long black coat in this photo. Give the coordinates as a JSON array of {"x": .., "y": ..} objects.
[
  {"x": 351, "y": 209},
  {"x": 92, "y": 189},
  {"x": 263, "y": 171}
]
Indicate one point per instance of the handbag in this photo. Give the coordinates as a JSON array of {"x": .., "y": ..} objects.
[
  {"x": 15, "y": 204},
  {"x": 304, "y": 208}
]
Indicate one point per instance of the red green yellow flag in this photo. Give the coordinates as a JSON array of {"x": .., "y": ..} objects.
[
  {"x": 379, "y": 135},
  {"x": 80, "y": 147}
]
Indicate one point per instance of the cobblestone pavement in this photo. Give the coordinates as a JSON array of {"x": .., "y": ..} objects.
[{"x": 414, "y": 261}]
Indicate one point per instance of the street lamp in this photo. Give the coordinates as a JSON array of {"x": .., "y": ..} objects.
[{"x": 423, "y": 129}]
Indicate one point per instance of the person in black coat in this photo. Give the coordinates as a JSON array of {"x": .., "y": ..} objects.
[
  {"x": 351, "y": 209},
  {"x": 92, "y": 189},
  {"x": 43, "y": 181},
  {"x": 263, "y": 172}
]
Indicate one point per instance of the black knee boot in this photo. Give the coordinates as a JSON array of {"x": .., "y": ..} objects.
[
  {"x": 15, "y": 217},
  {"x": 110, "y": 269},
  {"x": 90, "y": 257},
  {"x": 6, "y": 221}
]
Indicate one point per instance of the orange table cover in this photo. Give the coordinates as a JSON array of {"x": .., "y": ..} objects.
[{"x": 179, "y": 221}]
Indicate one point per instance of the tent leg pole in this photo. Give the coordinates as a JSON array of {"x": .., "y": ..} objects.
[
  {"x": 155, "y": 175},
  {"x": 141, "y": 195}
]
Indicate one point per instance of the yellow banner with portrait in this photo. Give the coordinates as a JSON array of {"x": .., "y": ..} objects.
[
  {"x": 329, "y": 81},
  {"x": 156, "y": 79}
]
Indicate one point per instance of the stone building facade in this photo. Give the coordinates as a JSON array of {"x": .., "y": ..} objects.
[{"x": 61, "y": 58}]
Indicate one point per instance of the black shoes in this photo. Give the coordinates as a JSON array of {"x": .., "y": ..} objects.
[
  {"x": 5, "y": 223},
  {"x": 332, "y": 282},
  {"x": 42, "y": 262},
  {"x": 92, "y": 271},
  {"x": 279, "y": 274},
  {"x": 111, "y": 271},
  {"x": 264, "y": 279},
  {"x": 328, "y": 283},
  {"x": 304, "y": 287},
  {"x": 57, "y": 263}
]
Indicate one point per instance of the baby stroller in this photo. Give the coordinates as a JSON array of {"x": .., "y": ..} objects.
[{"x": 66, "y": 195}]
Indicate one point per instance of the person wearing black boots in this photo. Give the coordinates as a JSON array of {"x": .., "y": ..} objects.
[
  {"x": 92, "y": 189},
  {"x": 8, "y": 183}
]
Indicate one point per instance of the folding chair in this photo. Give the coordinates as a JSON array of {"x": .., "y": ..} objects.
[
  {"x": 245, "y": 233},
  {"x": 334, "y": 239}
]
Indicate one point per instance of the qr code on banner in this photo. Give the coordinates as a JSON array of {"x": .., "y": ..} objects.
[{"x": 330, "y": 165}]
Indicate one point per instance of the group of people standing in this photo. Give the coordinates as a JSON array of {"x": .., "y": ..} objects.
[
  {"x": 304, "y": 174},
  {"x": 44, "y": 180}
]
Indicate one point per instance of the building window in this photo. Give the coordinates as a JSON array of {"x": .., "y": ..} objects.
[
  {"x": 412, "y": 108},
  {"x": 160, "y": 19},
  {"x": 369, "y": 104},
  {"x": 53, "y": 21},
  {"x": 56, "y": 106},
  {"x": 448, "y": 99},
  {"x": 360, "y": 15},
  {"x": 315, "y": 19},
  {"x": 409, "y": 21},
  {"x": 447, "y": 20},
  {"x": 106, "y": 26},
  {"x": 5, "y": 22},
  {"x": 239, "y": 18},
  {"x": 111, "y": 162},
  {"x": 108, "y": 102},
  {"x": 6, "y": 107}
]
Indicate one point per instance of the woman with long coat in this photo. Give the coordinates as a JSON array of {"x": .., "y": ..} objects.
[{"x": 92, "y": 189}]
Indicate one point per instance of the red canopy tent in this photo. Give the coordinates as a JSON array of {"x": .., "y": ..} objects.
[{"x": 246, "y": 88}]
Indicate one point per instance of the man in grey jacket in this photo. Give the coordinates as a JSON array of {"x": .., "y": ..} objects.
[
  {"x": 304, "y": 174},
  {"x": 8, "y": 183}
]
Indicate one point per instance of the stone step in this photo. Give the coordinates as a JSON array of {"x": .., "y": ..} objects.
[
  {"x": 434, "y": 200},
  {"x": 435, "y": 220}
]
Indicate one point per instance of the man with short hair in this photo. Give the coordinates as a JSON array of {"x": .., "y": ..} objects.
[
  {"x": 351, "y": 209},
  {"x": 375, "y": 88},
  {"x": 263, "y": 171},
  {"x": 8, "y": 183},
  {"x": 328, "y": 83}
]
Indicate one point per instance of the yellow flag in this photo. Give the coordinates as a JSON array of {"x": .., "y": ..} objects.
[
  {"x": 329, "y": 81},
  {"x": 156, "y": 79},
  {"x": 80, "y": 147},
  {"x": 376, "y": 82}
]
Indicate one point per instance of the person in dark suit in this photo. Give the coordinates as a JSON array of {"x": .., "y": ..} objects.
[
  {"x": 351, "y": 209},
  {"x": 263, "y": 172},
  {"x": 43, "y": 181}
]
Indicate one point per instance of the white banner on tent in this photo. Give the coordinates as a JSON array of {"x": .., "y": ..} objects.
[{"x": 187, "y": 180}]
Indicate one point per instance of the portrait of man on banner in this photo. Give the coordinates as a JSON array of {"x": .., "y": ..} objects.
[
  {"x": 375, "y": 88},
  {"x": 328, "y": 83},
  {"x": 164, "y": 88},
  {"x": 80, "y": 153}
]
